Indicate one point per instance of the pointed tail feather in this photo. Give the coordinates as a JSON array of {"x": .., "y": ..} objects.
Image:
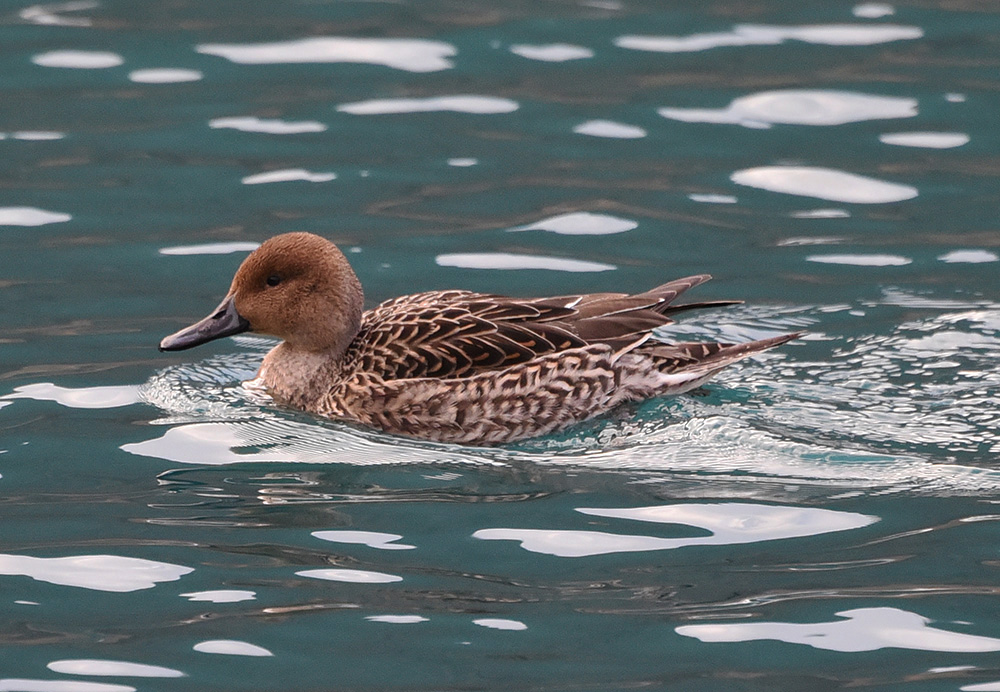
[
  {"x": 668, "y": 309},
  {"x": 703, "y": 357}
]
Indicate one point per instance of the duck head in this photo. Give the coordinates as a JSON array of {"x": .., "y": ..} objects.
[{"x": 298, "y": 287}]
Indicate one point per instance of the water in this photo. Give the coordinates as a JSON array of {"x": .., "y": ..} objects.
[{"x": 821, "y": 517}]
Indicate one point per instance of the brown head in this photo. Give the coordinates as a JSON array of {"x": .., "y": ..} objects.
[{"x": 298, "y": 287}]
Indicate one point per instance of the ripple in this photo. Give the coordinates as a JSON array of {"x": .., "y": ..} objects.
[
  {"x": 926, "y": 140},
  {"x": 824, "y": 183},
  {"x": 30, "y": 216},
  {"x": 164, "y": 75},
  {"x": 814, "y": 107},
  {"x": 863, "y": 629},
  {"x": 764, "y": 35},
  {"x": 411, "y": 55},
  {"x": 96, "y": 572},
  {"x": 552, "y": 52},
  {"x": 78, "y": 59},
  {"x": 610, "y": 129},
  {"x": 289, "y": 175},
  {"x": 230, "y": 647},
  {"x": 269, "y": 126},
  {"x": 462, "y": 103},
  {"x": 581, "y": 223},
  {"x": 845, "y": 422},
  {"x": 506, "y": 260},
  {"x": 372, "y": 539},
  {"x": 91, "y": 666},
  {"x": 928, "y": 388}
]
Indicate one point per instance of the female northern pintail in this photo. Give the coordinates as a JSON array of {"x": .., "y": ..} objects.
[{"x": 454, "y": 366}]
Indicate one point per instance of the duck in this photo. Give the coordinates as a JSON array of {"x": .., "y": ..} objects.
[{"x": 455, "y": 366}]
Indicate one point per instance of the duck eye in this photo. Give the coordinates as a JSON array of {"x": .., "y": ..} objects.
[{"x": 273, "y": 280}]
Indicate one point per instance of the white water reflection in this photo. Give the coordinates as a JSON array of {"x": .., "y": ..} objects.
[
  {"x": 33, "y": 685},
  {"x": 552, "y": 52},
  {"x": 220, "y": 596},
  {"x": 765, "y": 35},
  {"x": 462, "y": 162},
  {"x": 821, "y": 214},
  {"x": 461, "y": 103},
  {"x": 925, "y": 140},
  {"x": 981, "y": 687},
  {"x": 874, "y": 260},
  {"x": 289, "y": 175},
  {"x": 210, "y": 248},
  {"x": 354, "y": 576},
  {"x": 397, "y": 619},
  {"x": 969, "y": 257},
  {"x": 51, "y": 14},
  {"x": 270, "y": 126},
  {"x": 30, "y": 216},
  {"x": 411, "y": 55},
  {"x": 501, "y": 624},
  {"x": 91, "y": 666},
  {"x": 82, "y": 397},
  {"x": 728, "y": 524},
  {"x": 817, "y": 107},
  {"x": 507, "y": 260},
  {"x": 740, "y": 522},
  {"x": 231, "y": 647},
  {"x": 98, "y": 572},
  {"x": 164, "y": 75},
  {"x": 712, "y": 198},
  {"x": 275, "y": 440},
  {"x": 872, "y": 10},
  {"x": 610, "y": 129},
  {"x": 568, "y": 543},
  {"x": 372, "y": 539},
  {"x": 823, "y": 183},
  {"x": 78, "y": 59},
  {"x": 863, "y": 629},
  {"x": 581, "y": 223},
  {"x": 34, "y": 135}
]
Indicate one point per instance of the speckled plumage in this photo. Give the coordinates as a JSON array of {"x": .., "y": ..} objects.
[{"x": 457, "y": 366}]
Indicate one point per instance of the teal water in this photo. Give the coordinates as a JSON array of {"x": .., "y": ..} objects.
[{"x": 821, "y": 517}]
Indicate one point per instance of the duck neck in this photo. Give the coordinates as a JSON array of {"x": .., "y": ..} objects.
[{"x": 299, "y": 377}]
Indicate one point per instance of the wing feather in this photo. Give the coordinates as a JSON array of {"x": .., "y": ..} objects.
[{"x": 453, "y": 334}]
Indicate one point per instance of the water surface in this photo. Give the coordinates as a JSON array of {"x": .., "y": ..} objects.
[{"x": 820, "y": 517}]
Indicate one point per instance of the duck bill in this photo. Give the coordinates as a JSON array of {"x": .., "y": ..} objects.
[{"x": 224, "y": 321}]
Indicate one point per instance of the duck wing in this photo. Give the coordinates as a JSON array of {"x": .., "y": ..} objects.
[{"x": 453, "y": 334}]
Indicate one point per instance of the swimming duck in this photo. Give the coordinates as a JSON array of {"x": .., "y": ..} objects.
[{"x": 454, "y": 366}]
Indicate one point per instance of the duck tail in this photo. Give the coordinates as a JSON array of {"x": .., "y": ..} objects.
[
  {"x": 665, "y": 294},
  {"x": 685, "y": 366}
]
